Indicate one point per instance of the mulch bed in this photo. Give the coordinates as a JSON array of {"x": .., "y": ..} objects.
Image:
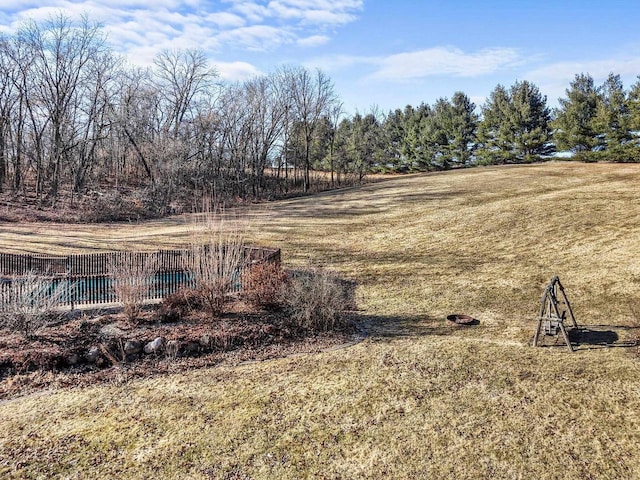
[{"x": 60, "y": 355}]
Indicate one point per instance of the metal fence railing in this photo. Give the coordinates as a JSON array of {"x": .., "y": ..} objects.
[{"x": 83, "y": 279}]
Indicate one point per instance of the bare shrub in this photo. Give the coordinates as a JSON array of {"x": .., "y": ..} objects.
[
  {"x": 28, "y": 302},
  {"x": 317, "y": 300},
  {"x": 214, "y": 261},
  {"x": 132, "y": 275},
  {"x": 264, "y": 284},
  {"x": 177, "y": 305}
]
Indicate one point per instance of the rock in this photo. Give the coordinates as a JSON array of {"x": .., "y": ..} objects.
[
  {"x": 172, "y": 347},
  {"x": 206, "y": 340},
  {"x": 154, "y": 346},
  {"x": 93, "y": 354},
  {"x": 72, "y": 359},
  {"x": 112, "y": 330},
  {"x": 268, "y": 329},
  {"x": 131, "y": 347}
]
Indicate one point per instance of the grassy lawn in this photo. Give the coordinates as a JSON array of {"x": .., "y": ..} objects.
[{"x": 419, "y": 398}]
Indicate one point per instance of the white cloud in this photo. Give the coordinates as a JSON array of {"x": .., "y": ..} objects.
[
  {"x": 129, "y": 33},
  {"x": 313, "y": 41},
  {"x": 142, "y": 55},
  {"x": 253, "y": 11},
  {"x": 257, "y": 37},
  {"x": 409, "y": 66},
  {"x": 445, "y": 61},
  {"x": 225, "y": 19},
  {"x": 325, "y": 12},
  {"x": 313, "y": 12},
  {"x": 328, "y": 17},
  {"x": 140, "y": 29},
  {"x": 334, "y": 63},
  {"x": 236, "y": 71}
]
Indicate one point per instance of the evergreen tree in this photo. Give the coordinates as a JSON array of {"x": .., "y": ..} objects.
[
  {"x": 515, "y": 126},
  {"x": 574, "y": 121},
  {"x": 416, "y": 148},
  {"x": 456, "y": 122},
  {"x": 320, "y": 144},
  {"x": 494, "y": 136},
  {"x": 394, "y": 132},
  {"x": 529, "y": 121},
  {"x": 612, "y": 119},
  {"x": 435, "y": 134},
  {"x": 633, "y": 105},
  {"x": 359, "y": 144}
]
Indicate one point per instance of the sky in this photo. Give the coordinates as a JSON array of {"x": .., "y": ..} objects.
[{"x": 380, "y": 54}]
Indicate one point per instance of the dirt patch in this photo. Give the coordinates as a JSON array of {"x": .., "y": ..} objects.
[{"x": 90, "y": 349}]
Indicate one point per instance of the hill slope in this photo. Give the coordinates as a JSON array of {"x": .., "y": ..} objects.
[{"x": 419, "y": 398}]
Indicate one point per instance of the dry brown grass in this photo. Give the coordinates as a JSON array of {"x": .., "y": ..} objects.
[{"x": 419, "y": 398}]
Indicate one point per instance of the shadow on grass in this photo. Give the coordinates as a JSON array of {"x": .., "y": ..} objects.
[
  {"x": 586, "y": 337},
  {"x": 603, "y": 336},
  {"x": 590, "y": 337},
  {"x": 371, "y": 201},
  {"x": 384, "y": 328}
]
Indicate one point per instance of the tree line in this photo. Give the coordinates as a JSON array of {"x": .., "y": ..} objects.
[
  {"x": 76, "y": 120},
  {"x": 514, "y": 125}
]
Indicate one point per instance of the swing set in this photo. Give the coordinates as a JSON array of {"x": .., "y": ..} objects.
[{"x": 553, "y": 313}]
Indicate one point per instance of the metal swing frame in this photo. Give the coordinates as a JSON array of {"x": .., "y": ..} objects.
[{"x": 552, "y": 317}]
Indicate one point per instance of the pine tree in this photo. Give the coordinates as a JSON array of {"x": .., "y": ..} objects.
[
  {"x": 463, "y": 128},
  {"x": 393, "y": 127},
  {"x": 633, "y": 105},
  {"x": 451, "y": 130},
  {"x": 529, "y": 121},
  {"x": 494, "y": 136},
  {"x": 612, "y": 119},
  {"x": 574, "y": 121},
  {"x": 417, "y": 147},
  {"x": 515, "y": 125}
]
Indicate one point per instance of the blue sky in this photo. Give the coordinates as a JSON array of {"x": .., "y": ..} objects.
[{"x": 379, "y": 53}]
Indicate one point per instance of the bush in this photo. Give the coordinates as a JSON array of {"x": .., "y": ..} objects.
[
  {"x": 263, "y": 285},
  {"x": 317, "y": 300},
  {"x": 177, "y": 305},
  {"x": 214, "y": 265},
  {"x": 214, "y": 260},
  {"x": 214, "y": 269},
  {"x": 132, "y": 275}
]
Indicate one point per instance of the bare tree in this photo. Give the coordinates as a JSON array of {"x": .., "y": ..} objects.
[
  {"x": 8, "y": 100},
  {"x": 72, "y": 115},
  {"x": 91, "y": 121},
  {"x": 236, "y": 125},
  {"x": 183, "y": 77},
  {"x": 334, "y": 118},
  {"x": 267, "y": 104},
  {"x": 63, "y": 55},
  {"x": 312, "y": 97},
  {"x": 134, "y": 115},
  {"x": 29, "y": 122}
]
